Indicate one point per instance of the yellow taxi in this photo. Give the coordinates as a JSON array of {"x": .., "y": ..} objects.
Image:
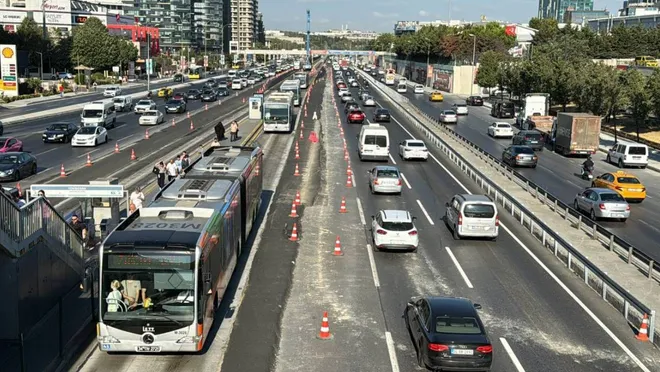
[
  {"x": 629, "y": 186},
  {"x": 436, "y": 97},
  {"x": 163, "y": 91}
]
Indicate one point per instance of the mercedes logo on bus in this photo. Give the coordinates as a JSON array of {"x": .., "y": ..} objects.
[{"x": 148, "y": 339}]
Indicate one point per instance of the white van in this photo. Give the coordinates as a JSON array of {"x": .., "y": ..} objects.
[
  {"x": 237, "y": 84},
  {"x": 99, "y": 113},
  {"x": 472, "y": 216},
  {"x": 402, "y": 87},
  {"x": 629, "y": 154},
  {"x": 374, "y": 142},
  {"x": 231, "y": 74}
]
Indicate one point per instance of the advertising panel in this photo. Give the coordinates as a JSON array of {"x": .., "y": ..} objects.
[
  {"x": 443, "y": 81},
  {"x": 255, "y": 110},
  {"x": 233, "y": 46},
  {"x": 49, "y": 5},
  {"x": 409, "y": 26},
  {"x": 8, "y": 70},
  {"x": 319, "y": 52},
  {"x": 9, "y": 16},
  {"x": 53, "y": 18}
]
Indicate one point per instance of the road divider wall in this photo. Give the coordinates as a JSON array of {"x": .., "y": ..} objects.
[{"x": 465, "y": 154}]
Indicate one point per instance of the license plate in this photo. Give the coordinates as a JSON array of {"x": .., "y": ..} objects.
[
  {"x": 475, "y": 227},
  {"x": 462, "y": 352},
  {"x": 147, "y": 349},
  {"x": 637, "y": 157},
  {"x": 534, "y": 141}
]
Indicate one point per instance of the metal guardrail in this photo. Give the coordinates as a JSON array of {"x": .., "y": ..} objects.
[{"x": 632, "y": 309}]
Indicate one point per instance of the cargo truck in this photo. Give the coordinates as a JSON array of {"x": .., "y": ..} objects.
[
  {"x": 576, "y": 133},
  {"x": 534, "y": 114}
]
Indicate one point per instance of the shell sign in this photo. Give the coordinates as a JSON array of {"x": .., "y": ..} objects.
[
  {"x": 8, "y": 71},
  {"x": 7, "y": 52}
]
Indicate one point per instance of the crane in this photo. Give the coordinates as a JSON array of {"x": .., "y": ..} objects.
[{"x": 308, "y": 63}]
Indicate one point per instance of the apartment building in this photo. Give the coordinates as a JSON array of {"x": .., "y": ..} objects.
[
  {"x": 243, "y": 18},
  {"x": 556, "y": 8},
  {"x": 175, "y": 19},
  {"x": 208, "y": 25}
]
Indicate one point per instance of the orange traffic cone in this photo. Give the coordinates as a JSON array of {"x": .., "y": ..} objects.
[
  {"x": 643, "y": 334},
  {"x": 301, "y": 134},
  {"x": 188, "y": 114},
  {"x": 294, "y": 233},
  {"x": 20, "y": 190},
  {"x": 302, "y": 124},
  {"x": 133, "y": 156},
  {"x": 346, "y": 155},
  {"x": 338, "y": 251},
  {"x": 297, "y": 199},
  {"x": 173, "y": 123},
  {"x": 192, "y": 126},
  {"x": 89, "y": 161},
  {"x": 116, "y": 147},
  {"x": 146, "y": 134},
  {"x": 206, "y": 107},
  {"x": 342, "y": 208},
  {"x": 62, "y": 171},
  {"x": 297, "y": 147},
  {"x": 296, "y": 173},
  {"x": 324, "y": 334},
  {"x": 349, "y": 181},
  {"x": 297, "y": 154},
  {"x": 294, "y": 211},
  {"x": 349, "y": 171}
]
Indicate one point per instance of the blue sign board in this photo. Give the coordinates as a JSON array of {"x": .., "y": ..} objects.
[{"x": 79, "y": 191}]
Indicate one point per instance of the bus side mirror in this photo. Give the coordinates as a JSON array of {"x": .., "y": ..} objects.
[{"x": 207, "y": 287}]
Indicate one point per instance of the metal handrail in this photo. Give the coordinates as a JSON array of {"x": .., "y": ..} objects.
[{"x": 548, "y": 236}]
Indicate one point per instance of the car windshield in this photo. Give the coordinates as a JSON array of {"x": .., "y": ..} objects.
[
  {"x": 523, "y": 150},
  {"x": 92, "y": 113},
  {"x": 476, "y": 98},
  {"x": 382, "y": 112},
  {"x": 207, "y": 92},
  {"x": 368, "y": 98},
  {"x": 150, "y": 113},
  {"x": 457, "y": 325},
  {"x": 478, "y": 211},
  {"x": 387, "y": 173},
  {"x": 416, "y": 144},
  {"x": 615, "y": 197},
  {"x": 59, "y": 127},
  {"x": 118, "y": 100},
  {"x": 461, "y": 105},
  {"x": 397, "y": 226},
  {"x": 111, "y": 88},
  {"x": 87, "y": 130},
  {"x": 629, "y": 180},
  {"x": 503, "y": 126},
  {"x": 144, "y": 103},
  {"x": 378, "y": 140},
  {"x": 507, "y": 105},
  {"x": 8, "y": 159}
]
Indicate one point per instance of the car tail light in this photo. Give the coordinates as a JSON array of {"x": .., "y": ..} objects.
[
  {"x": 497, "y": 220},
  {"x": 486, "y": 349},
  {"x": 398, "y": 182},
  {"x": 536, "y": 157},
  {"x": 413, "y": 233},
  {"x": 628, "y": 207},
  {"x": 643, "y": 189},
  {"x": 376, "y": 181},
  {"x": 601, "y": 206},
  {"x": 619, "y": 188},
  {"x": 460, "y": 219},
  {"x": 381, "y": 232},
  {"x": 438, "y": 347}
]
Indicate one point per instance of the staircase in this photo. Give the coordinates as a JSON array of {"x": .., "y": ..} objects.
[{"x": 38, "y": 222}]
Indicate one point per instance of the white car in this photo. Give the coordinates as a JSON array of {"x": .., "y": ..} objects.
[
  {"x": 413, "y": 149},
  {"x": 347, "y": 97},
  {"x": 354, "y": 84},
  {"x": 244, "y": 83},
  {"x": 448, "y": 116},
  {"x": 419, "y": 89},
  {"x": 343, "y": 91},
  {"x": 394, "y": 229},
  {"x": 112, "y": 91},
  {"x": 460, "y": 108},
  {"x": 251, "y": 81},
  {"x": 500, "y": 129},
  {"x": 144, "y": 105},
  {"x": 369, "y": 101},
  {"x": 152, "y": 117},
  {"x": 351, "y": 79},
  {"x": 89, "y": 136}
]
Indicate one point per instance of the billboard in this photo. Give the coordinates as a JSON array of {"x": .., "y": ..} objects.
[
  {"x": 8, "y": 70},
  {"x": 510, "y": 30},
  {"x": 406, "y": 26},
  {"x": 233, "y": 47},
  {"x": 443, "y": 81}
]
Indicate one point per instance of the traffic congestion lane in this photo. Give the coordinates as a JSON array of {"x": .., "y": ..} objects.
[
  {"x": 560, "y": 175},
  {"x": 521, "y": 303},
  {"x": 50, "y": 156}
]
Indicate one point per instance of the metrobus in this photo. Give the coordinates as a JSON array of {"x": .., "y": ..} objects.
[
  {"x": 195, "y": 72},
  {"x": 164, "y": 269},
  {"x": 294, "y": 87},
  {"x": 278, "y": 112},
  {"x": 302, "y": 77},
  {"x": 390, "y": 74}
]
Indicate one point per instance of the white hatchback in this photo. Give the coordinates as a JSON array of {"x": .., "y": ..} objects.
[
  {"x": 413, "y": 149},
  {"x": 394, "y": 229},
  {"x": 419, "y": 89},
  {"x": 500, "y": 129},
  {"x": 460, "y": 108}
]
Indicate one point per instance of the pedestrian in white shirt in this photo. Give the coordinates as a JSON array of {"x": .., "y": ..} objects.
[
  {"x": 172, "y": 170},
  {"x": 137, "y": 197}
]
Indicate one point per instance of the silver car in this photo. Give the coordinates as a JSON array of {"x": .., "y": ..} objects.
[
  {"x": 385, "y": 179},
  {"x": 602, "y": 203},
  {"x": 448, "y": 116}
]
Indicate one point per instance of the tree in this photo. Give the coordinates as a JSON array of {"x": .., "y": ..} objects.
[
  {"x": 653, "y": 84},
  {"x": 93, "y": 46},
  {"x": 638, "y": 95},
  {"x": 384, "y": 42},
  {"x": 490, "y": 64},
  {"x": 127, "y": 52},
  {"x": 29, "y": 37},
  {"x": 546, "y": 30}
]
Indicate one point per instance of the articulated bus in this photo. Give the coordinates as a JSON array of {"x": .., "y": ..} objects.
[
  {"x": 164, "y": 269},
  {"x": 302, "y": 77},
  {"x": 390, "y": 74},
  {"x": 294, "y": 87}
]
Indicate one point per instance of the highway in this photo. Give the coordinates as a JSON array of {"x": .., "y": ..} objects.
[
  {"x": 560, "y": 175},
  {"x": 537, "y": 314}
]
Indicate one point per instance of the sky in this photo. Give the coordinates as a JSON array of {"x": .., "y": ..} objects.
[{"x": 380, "y": 15}]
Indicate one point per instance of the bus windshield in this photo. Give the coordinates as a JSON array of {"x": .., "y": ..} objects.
[
  {"x": 276, "y": 115},
  {"x": 296, "y": 92},
  {"x": 148, "y": 286}
]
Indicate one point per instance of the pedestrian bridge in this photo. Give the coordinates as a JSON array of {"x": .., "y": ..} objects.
[{"x": 315, "y": 52}]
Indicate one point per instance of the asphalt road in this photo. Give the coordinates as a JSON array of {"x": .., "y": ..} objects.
[
  {"x": 523, "y": 305},
  {"x": 560, "y": 175}
]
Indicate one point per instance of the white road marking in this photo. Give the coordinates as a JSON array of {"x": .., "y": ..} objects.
[
  {"x": 561, "y": 284},
  {"x": 47, "y": 151},
  {"x": 406, "y": 181},
  {"x": 353, "y": 178},
  {"x": 514, "y": 358},
  {"x": 459, "y": 267},
  {"x": 392, "y": 351},
  {"x": 372, "y": 263},
  {"x": 361, "y": 211},
  {"x": 391, "y": 158},
  {"x": 425, "y": 212}
]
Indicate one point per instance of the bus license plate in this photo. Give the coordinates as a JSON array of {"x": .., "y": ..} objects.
[
  {"x": 462, "y": 352},
  {"x": 147, "y": 349}
]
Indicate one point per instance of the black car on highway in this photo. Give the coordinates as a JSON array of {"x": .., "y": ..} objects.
[
  {"x": 15, "y": 166},
  {"x": 222, "y": 92},
  {"x": 59, "y": 132},
  {"x": 194, "y": 94},
  {"x": 209, "y": 95},
  {"x": 175, "y": 106},
  {"x": 474, "y": 101},
  {"x": 381, "y": 115},
  {"x": 448, "y": 334}
]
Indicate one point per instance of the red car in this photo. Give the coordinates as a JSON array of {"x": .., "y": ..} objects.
[
  {"x": 356, "y": 116},
  {"x": 10, "y": 144},
  {"x": 341, "y": 85}
]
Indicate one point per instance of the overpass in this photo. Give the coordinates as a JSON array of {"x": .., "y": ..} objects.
[{"x": 270, "y": 53}]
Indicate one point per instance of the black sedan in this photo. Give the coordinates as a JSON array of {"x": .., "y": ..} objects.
[
  {"x": 222, "y": 92},
  {"x": 447, "y": 333},
  {"x": 474, "y": 101},
  {"x": 193, "y": 94},
  {"x": 17, "y": 165},
  {"x": 381, "y": 115},
  {"x": 209, "y": 96},
  {"x": 175, "y": 106},
  {"x": 59, "y": 132}
]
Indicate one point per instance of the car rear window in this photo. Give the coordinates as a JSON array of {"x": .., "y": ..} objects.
[
  {"x": 478, "y": 211},
  {"x": 523, "y": 150},
  {"x": 372, "y": 139},
  {"x": 631, "y": 180},
  {"x": 397, "y": 226},
  {"x": 356, "y": 111},
  {"x": 533, "y": 136},
  {"x": 450, "y": 113},
  {"x": 387, "y": 173},
  {"x": 503, "y": 126},
  {"x": 416, "y": 144},
  {"x": 507, "y": 105},
  {"x": 606, "y": 196},
  {"x": 457, "y": 325},
  {"x": 637, "y": 150}
]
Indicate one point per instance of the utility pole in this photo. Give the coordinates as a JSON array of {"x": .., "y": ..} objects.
[
  {"x": 149, "y": 63},
  {"x": 308, "y": 47},
  {"x": 474, "y": 57}
]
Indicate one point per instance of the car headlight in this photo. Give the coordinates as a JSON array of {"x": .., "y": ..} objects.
[
  {"x": 59, "y": 135},
  {"x": 9, "y": 171}
]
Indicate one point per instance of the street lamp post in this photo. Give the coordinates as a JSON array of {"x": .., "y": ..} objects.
[
  {"x": 41, "y": 66},
  {"x": 428, "y": 53},
  {"x": 474, "y": 57}
]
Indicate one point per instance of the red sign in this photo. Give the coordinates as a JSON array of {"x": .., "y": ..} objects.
[
  {"x": 319, "y": 52},
  {"x": 81, "y": 19},
  {"x": 510, "y": 30}
]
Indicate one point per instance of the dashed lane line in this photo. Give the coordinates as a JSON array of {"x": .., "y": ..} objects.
[{"x": 459, "y": 267}]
